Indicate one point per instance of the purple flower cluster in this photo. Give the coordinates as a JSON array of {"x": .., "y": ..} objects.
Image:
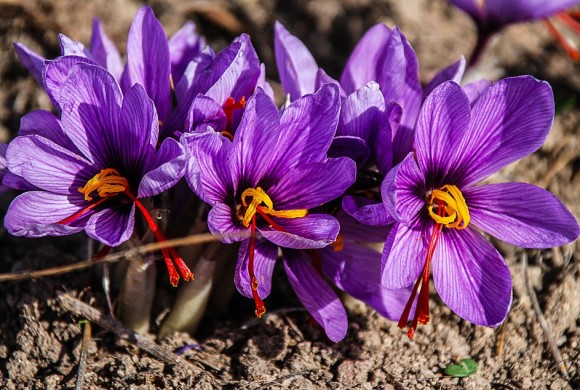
[{"x": 366, "y": 184}]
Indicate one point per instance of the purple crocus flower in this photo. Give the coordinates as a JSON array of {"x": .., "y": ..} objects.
[
  {"x": 264, "y": 188},
  {"x": 438, "y": 207},
  {"x": 491, "y": 16},
  {"x": 98, "y": 164}
]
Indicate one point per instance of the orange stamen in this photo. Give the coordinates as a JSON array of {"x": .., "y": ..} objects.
[{"x": 571, "y": 51}]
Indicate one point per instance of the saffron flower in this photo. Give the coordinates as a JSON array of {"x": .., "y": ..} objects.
[
  {"x": 98, "y": 166},
  {"x": 491, "y": 16},
  {"x": 264, "y": 187},
  {"x": 439, "y": 209}
]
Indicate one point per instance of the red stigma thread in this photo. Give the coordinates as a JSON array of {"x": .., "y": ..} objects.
[
  {"x": 570, "y": 20},
  {"x": 169, "y": 253},
  {"x": 260, "y": 308},
  {"x": 229, "y": 107},
  {"x": 422, "y": 309}
]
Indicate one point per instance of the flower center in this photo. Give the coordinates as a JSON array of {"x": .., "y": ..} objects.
[
  {"x": 455, "y": 213},
  {"x": 262, "y": 204},
  {"x": 107, "y": 183}
]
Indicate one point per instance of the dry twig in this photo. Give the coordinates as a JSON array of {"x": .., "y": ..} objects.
[
  {"x": 81, "y": 309},
  {"x": 554, "y": 350},
  {"x": 87, "y": 334}
]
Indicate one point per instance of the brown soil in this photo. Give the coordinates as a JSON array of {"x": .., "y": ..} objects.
[{"x": 40, "y": 341}]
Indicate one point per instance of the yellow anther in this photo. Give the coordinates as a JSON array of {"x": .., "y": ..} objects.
[
  {"x": 108, "y": 182},
  {"x": 456, "y": 213},
  {"x": 260, "y": 197},
  {"x": 338, "y": 244}
]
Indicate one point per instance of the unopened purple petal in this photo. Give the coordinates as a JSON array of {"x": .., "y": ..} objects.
[
  {"x": 221, "y": 225},
  {"x": 521, "y": 214},
  {"x": 112, "y": 226},
  {"x": 471, "y": 277},
  {"x": 36, "y": 213},
  {"x": 148, "y": 60},
  {"x": 296, "y": 65},
  {"x": 32, "y": 61},
  {"x": 510, "y": 121},
  {"x": 315, "y": 294},
  {"x": 352, "y": 147},
  {"x": 404, "y": 254},
  {"x": 47, "y": 165},
  {"x": 309, "y": 232},
  {"x": 104, "y": 50},
  {"x": 453, "y": 72},
  {"x": 240, "y": 76},
  {"x": 361, "y": 112},
  {"x": 204, "y": 112},
  {"x": 91, "y": 103},
  {"x": 265, "y": 255},
  {"x": 383, "y": 153},
  {"x": 184, "y": 46},
  {"x": 311, "y": 185}
]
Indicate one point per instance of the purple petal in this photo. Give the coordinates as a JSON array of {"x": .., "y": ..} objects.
[
  {"x": 315, "y": 294},
  {"x": 367, "y": 211},
  {"x": 322, "y": 78},
  {"x": 16, "y": 182},
  {"x": 55, "y": 74},
  {"x": 471, "y": 277},
  {"x": 36, "y": 213},
  {"x": 221, "y": 224},
  {"x": 184, "y": 46},
  {"x": 442, "y": 123},
  {"x": 204, "y": 112},
  {"x": 138, "y": 124},
  {"x": 256, "y": 138},
  {"x": 263, "y": 83},
  {"x": 112, "y": 226},
  {"x": 69, "y": 47},
  {"x": 104, "y": 50},
  {"x": 351, "y": 147},
  {"x": 91, "y": 103},
  {"x": 148, "y": 60},
  {"x": 382, "y": 145},
  {"x": 361, "y": 112},
  {"x": 47, "y": 165},
  {"x": 366, "y": 59},
  {"x": 307, "y": 128},
  {"x": 265, "y": 256},
  {"x": 405, "y": 253},
  {"x": 309, "y": 232},
  {"x": 510, "y": 121},
  {"x": 402, "y": 191},
  {"x": 47, "y": 125},
  {"x": 32, "y": 61},
  {"x": 311, "y": 185},
  {"x": 453, "y": 72},
  {"x": 521, "y": 214},
  {"x": 240, "y": 76},
  {"x": 166, "y": 169},
  {"x": 296, "y": 66},
  {"x": 475, "y": 90},
  {"x": 207, "y": 167}
]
